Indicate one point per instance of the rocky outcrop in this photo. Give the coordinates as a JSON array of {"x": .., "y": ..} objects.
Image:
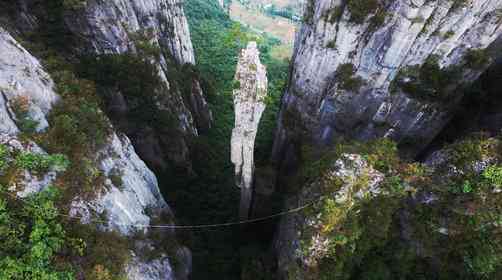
[
  {"x": 116, "y": 27},
  {"x": 250, "y": 91},
  {"x": 354, "y": 71},
  {"x": 24, "y": 85},
  {"x": 125, "y": 201},
  {"x": 157, "y": 29},
  {"x": 130, "y": 197},
  {"x": 370, "y": 213},
  {"x": 303, "y": 239}
]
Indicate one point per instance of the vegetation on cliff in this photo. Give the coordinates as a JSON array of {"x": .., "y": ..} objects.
[
  {"x": 425, "y": 221},
  {"x": 211, "y": 196}
]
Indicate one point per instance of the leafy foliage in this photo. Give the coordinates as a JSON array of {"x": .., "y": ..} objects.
[
  {"x": 454, "y": 216},
  {"x": 347, "y": 79},
  {"x": 428, "y": 81},
  {"x": 20, "y": 106},
  {"x": 40, "y": 162},
  {"x": 32, "y": 238},
  {"x": 361, "y": 9},
  {"x": 476, "y": 59}
]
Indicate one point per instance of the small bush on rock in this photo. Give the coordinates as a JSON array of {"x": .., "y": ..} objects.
[
  {"x": 361, "y": 9},
  {"x": 347, "y": 79},
  {"x": 476, "y": 59}
]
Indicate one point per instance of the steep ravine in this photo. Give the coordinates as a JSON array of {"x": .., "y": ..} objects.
[
  {"x": 96, "y": 96},
  {"x": 372, "y": 84}
]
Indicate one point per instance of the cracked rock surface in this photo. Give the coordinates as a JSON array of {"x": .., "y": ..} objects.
[
  {"x": 317, "y": 106},
  {"x": 250, "y": 91}
]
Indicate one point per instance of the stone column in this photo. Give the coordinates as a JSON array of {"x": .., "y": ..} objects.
[{"x": 250, "y": 91}]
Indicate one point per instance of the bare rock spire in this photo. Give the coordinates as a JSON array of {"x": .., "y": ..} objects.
[{"x": 250, "y": 91}]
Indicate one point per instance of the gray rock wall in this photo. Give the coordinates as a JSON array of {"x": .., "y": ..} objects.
[
  {"x": 97, "y": 27},
  {"x": 110, "y": 27},
  {"x": 135, "y": 202},
  {"x": 22, "y": 76},
  {"x": 317, "y": 108}
]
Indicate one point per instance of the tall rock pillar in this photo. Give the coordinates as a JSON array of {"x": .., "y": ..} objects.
[{"x": 250, "y": 91}]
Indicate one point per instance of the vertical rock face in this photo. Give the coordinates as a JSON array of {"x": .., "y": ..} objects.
[
  {"x": 22, "y": 76},
  {"x": 108, "y": 25},
  {"x": 360, "y": 217},
  {"x": 300, "y": 242},
  {"x": 123, "y": 26},
  {"x": 347, "y": 62},
  {"x": 250, "y": 91},
  {"x": 130, "y": 195},
  {"x": 113, "y": 27}
]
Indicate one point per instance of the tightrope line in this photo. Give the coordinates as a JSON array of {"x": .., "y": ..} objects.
[{"x": 173, "y": 226}]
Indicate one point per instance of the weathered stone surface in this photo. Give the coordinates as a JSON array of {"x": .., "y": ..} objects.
[
  {"x": 124, "y": 202},
  {"x": 22, "y": 76},
  {"x": 113, "y": 27},
  {"x": 123, "y": 26},
  {"x": 26, "y": 182},
  {"x": 411, "y": 32},
  {"x": 152, "y": 270},
  {"x": 135, "y": 200},
  {"x": 294, "y": 261},
  {"x": 249, "y": 103}
]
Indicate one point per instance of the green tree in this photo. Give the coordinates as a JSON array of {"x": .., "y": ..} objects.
[{"x": 31, "y": 236}]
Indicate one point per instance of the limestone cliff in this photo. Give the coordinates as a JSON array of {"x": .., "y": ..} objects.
[
  {"x": 366, "y": 69},
  {"x": 128, "y": 194},
  {"x": 250, "y": 91},
  {"x": 372, "y": 215},
  {"x": 156, "y": 29}
]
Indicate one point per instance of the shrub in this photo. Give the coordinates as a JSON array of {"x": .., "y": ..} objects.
[
  {"x": 449, "y": 34},
  {"x": 116, "y": 178},
  {"x": 74, "y": 4},
  {"x": 143, "y": 42},
  {"x": 361, "y": 9},
  {"x": 377, "y": 20},
  {"x": 331, "y": 44},
  {"x": 77, "y": 128},
  {"x": 493, "y": 175},
  {"x": 309, "y": 12},
  {"x": 137, "y": 79},
  {"x": 476, "y": 59},
  {"x": 457, "y": 4},
  {"x": 334, "y": 14},
  {"x": 40, "y": 162},
  {"x": 236, "y": 84},
  {"x": 471, "y": 150},
  {"x": 418, "y": 19},
  {"x": 381, "y": 153},
  {"x": 428, "y": 81},
  {"x": 21, "y": 106},
  {"x": 347, "y": 80},
  {"x": 32, "y": 238},
  {"x": 4, "y": 157}
]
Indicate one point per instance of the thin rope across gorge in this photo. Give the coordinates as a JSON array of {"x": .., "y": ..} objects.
[{"x": 174, "y": 226}]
